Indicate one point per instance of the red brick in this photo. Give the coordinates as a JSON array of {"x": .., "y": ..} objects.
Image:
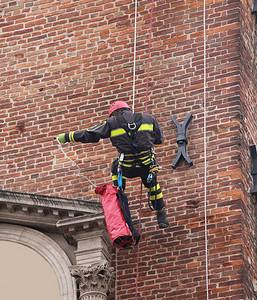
[
  {"x": 12, "y": 28},
  {"x": 60, "y": 71}
]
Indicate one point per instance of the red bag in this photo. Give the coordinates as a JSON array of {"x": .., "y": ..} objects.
[{"x": 117, "y": 227}]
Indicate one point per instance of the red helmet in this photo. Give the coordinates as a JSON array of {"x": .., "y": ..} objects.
[{"x": 117, "y": 105}]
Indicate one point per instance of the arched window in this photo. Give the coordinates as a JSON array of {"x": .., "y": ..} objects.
[
  {"x": 24, "y": 274},
  {"x": 43, "y": 248}
]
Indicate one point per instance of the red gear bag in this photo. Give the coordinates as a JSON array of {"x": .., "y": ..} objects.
[{"x": 119, "y": 231}]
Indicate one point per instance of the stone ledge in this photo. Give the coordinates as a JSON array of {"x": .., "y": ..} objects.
[
  {"x": 82, "y": 223},
  {"x": 43, "y": 212},
  {"x": 49, "y": 202}
]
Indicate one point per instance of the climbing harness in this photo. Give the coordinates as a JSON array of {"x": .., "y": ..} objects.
[
  {"x": 154, "y": 169},
  {"x": 120, "y": 161},
  {"x": 126, "y": 164},
  {"x": 138, "y": 157},
  {"x": 131, "y": 128}
]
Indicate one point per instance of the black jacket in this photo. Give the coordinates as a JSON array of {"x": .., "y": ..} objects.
[{"x": 147, "y": 133}]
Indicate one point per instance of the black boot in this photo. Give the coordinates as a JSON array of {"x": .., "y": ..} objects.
[{"x": 161, "y": 218}]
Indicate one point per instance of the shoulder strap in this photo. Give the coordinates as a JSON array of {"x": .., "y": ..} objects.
[{"x": 131, "y": 128}]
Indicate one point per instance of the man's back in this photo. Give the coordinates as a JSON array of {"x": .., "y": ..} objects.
[{"x": 134, "y": 132}]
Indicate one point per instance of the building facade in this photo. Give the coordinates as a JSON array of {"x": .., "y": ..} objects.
[{"x": 62, "y": 64}]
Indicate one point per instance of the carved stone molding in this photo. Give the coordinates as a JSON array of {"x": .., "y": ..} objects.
[
  {"x": 94, "y": 281},
  {"x": 93, "y": 296},
  {"x": 42, "y": 212}
]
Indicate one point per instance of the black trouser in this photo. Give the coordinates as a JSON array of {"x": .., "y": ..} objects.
[{"x": 141, "y": 171}]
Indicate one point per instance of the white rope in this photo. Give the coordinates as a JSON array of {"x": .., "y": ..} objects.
[
  {"x": 134, "y": 67},
  {"x": 205, "y": 153},
  {"x": 73, "y": 162}
]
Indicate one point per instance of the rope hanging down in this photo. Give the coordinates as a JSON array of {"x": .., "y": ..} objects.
[
  {"x": 205, "y": 151},
  {"x": 73, "y": 162},
  {"x": 134, "y": 65},
  {"x": 146, "y": 100}
]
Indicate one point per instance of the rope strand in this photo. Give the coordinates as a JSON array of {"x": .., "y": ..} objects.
[
  {"x": 139, "y": 228},
  {"x": 134, "y": 67},
  {"x": 205, "y": 153},
  {"x": 141, "y": 193},
  {"x": 149, "y": 56},
  {"x": 73, "y": 162}
]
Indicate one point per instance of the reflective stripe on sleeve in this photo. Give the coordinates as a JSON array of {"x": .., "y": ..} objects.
[
  {"x": 148, "y": 127},
  {"x": 96, "y": 126},
  {"x": 117, "y": 132},
  {"x": 71, "y": 136}
]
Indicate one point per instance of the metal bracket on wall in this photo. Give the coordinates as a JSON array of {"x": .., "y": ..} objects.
[
  {"x": 182, "y": 141},
  {"x": 254, "y": 169},
  {"x": 254, "y": 11}
]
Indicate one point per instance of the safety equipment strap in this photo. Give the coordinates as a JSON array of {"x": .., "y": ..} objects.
[
  {"x": 131, "y": 128},
  {"x": 123, "y": 200}
]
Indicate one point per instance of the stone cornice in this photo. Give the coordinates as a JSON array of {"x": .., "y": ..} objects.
[
  {"x": 39, "y": 211},
  {"x": 87, "y": 232},
  {"x": 82, "y": 223},
  {"x": 50, "y": 202}
]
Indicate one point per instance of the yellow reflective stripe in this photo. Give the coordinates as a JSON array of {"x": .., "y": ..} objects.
[
  {"x": 71, "y": 136},
  {"x": 131, "y": 160},
  {"x": 153, "y": 189},
  {"x": 143, "y": 158},
  {"x": 117, "y": 132},
  {"x": 146, "y": 127},
  {"x": 129, "y": 166},
  {"x": 128, "y": 160},
  {"x": 121, "y": 131},
  {"x": 96, "y": 126},
  {"x": 114, "y": 177},
  {"x": 138, "y": 153},
  {"x": 125, "y": 165},
  {"x": 159, "y": 196},
  {"x": 146, "y": 162}
]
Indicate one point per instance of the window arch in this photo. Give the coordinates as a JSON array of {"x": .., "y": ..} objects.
[{"x": 48, "y": 249}]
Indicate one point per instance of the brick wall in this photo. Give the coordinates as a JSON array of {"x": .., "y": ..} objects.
[
  {"x": 248, "y": 26},
  {"x": 64, "y": 62}
]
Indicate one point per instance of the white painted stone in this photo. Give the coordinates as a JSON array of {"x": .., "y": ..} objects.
[{"x": 48, "y": 249}]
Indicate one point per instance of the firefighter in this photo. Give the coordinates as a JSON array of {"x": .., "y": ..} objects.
[{"x": 134, "y": 135}]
